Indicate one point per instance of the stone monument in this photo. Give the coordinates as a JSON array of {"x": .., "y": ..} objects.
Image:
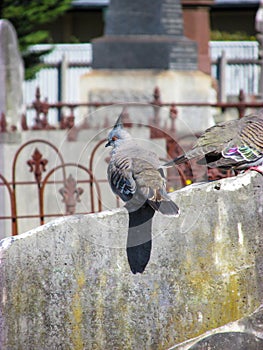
[
  {"x": 143, "y": 48},
  {"x": 11, "y": 74},
  {"x": 144, "y": 35},
  {"x": 11, "y": 80}
]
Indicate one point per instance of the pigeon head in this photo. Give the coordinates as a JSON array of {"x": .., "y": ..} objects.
[{"x": 117, "y": 135}]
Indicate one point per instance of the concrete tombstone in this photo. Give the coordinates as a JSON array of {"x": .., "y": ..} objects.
[{"x": 11, "y": 73}]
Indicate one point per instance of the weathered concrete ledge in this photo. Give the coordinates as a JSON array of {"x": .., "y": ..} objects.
[
  {"x": 244, "y": 334},
  {"x": 67, "y": 285}
]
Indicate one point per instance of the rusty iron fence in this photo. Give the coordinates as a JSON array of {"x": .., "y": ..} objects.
[
  {"x": 71, "y": 188},
  {"x": 38, "y": 165},
  {"x": 42, "y": 107}
]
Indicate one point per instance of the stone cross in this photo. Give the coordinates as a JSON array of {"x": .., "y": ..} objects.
[{"x": 143, "y": 34}]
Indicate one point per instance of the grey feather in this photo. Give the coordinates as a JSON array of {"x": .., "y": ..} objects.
[{"x": 134, "y": 175}]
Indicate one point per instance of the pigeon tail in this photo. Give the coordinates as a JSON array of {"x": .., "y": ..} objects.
[
  {"x": 179, "y": 160},
  {"x": 139, "y": 256},
  {"x": 160, "y": 201},
  {"x": 168, "y": 207},
  {"x": 139, "y": 241},
  {"x": 165, "y": 206}
]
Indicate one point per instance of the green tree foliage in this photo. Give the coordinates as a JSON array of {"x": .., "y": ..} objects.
[
  {"x": 26, "y": 16},
  {"x": 217, "y": 35}
]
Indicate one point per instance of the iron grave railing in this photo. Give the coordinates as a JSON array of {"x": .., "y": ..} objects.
[{"x": 51, "y": 178}]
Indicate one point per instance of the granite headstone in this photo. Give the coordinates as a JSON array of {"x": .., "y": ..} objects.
[{"x": 143, "y": 34}]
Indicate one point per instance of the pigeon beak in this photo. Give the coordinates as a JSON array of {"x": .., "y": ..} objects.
[{"x": 107, "y": 144}]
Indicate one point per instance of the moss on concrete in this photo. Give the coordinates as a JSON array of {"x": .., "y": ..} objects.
[{"x": 68, "y": 285}]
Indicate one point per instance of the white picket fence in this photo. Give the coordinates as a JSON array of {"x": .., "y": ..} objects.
[
  {"x": 57, "y": 81},
  {"x": 238, "y": 76}
]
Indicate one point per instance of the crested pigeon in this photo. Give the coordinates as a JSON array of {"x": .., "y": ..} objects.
[
  {"x": 134, "y": 175},
  {"x": 236, "y": 144}
]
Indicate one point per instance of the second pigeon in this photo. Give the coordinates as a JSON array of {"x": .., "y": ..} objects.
[{"x": 236, "y": 144}]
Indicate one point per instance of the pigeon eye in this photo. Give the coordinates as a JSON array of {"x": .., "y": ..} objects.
[{"x": 114, "y": 138}]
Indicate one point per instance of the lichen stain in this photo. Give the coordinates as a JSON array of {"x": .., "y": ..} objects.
[
  {"x": 122, "y": 308},
  {"x": 219, "y": 291},
  {"x": 155, "y": 333},
  {"x": 122, "y": 325},
  {"x": 230, "y": 304},
  {"x": 77, "y": 312},
  {"x": 100, "y": 308}
]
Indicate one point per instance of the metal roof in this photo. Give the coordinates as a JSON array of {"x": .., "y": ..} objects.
[
  {"x": 106, "y": 2},
  {"x": 89, "y": 3},
  {"x": 239, "y": 2},
  {"x": 236, "y": 3}
]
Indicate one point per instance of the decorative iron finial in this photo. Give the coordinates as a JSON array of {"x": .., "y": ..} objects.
[
  {"x": 37, "y": 165},
  {"x": 71, "y": 194}
]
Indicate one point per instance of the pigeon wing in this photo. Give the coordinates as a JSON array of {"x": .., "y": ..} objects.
[
  {"x": 120, "y": 177},
  {"x": 247, "y": 147},
  {"x": 214, "y": 140},
  {"x": 228, "y": 143},
  {"x": 244, "y": 147}
]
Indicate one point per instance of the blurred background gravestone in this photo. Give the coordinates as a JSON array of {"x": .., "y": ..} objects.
[
  {"x": 144, "y": 34},
  {"x": 11, "y": 100},
  {"x": 143, "y": 47},
  {"x": 11, "y": 74}
]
